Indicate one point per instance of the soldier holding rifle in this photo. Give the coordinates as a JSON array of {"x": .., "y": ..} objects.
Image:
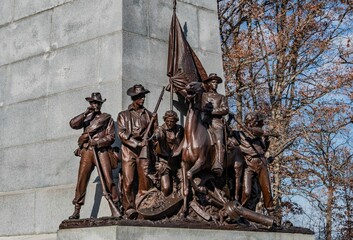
[
  {"x": 133, "y": 126},
  {"x": 94, "y": 145},
  {"x": 254, "y": 143}
]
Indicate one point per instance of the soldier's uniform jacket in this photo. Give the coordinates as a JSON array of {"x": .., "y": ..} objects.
[
  {"x": 99, "y": 126},
  {"x": 248, "y": 143},
  {"x": 132, "y": 125},
  {"x": 219, "y": 105},
  {"x": 168, "y": 140},
  {"x": 253, "y": 147}
]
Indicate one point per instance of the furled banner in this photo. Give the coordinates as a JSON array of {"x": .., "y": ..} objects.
[{"x": 183, "y": 64}]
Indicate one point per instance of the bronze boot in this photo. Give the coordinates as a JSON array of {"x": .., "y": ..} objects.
[
  {"x": 217, "y": 167},
  {"x": 76, "y": 214}
]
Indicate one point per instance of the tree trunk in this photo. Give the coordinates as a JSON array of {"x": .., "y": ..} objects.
[
  {"x": 348, "y": 197},
  {"x": 329, "y": 213}
]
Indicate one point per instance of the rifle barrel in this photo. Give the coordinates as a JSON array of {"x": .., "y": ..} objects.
[
  {"x": 144, "y": 150},
  {"x": 114, "y": 209},
  {"x": 159, "y": 100}
]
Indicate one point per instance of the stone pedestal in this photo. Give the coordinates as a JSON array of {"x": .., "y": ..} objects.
[{"x": 153, "y": 233}]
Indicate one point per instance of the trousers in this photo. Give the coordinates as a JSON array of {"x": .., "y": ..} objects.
[{"x": 87, "y": 164}]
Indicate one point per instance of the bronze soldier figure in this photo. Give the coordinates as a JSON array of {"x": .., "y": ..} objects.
[
  {"x": 254, "y": 147},
  {"x": 215, "y": 106},
  {"x": 132, "y": 125},
  {"x": 98, "y": 133},
  {"x": 235, "y": 154},
  {"x": 168, "y": 138}
]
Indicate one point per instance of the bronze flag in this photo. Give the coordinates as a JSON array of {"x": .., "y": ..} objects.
[{"x": 183, "y": 64}]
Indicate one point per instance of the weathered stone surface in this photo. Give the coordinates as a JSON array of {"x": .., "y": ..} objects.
[
  {"x": 41, "y": 211},
  {"x": 20, "y": 205},
  {"x": 59, "y": 199},
  {"x": 189, "y": 22},
  {"x": 137, "y": 67},
  {"x": 31, "y": 237},
  {"x": 23, "y": 39},
  {"x": 89, "y": 234},
  {"x": 135, "y": 51},
  {"x": 24, "y": 123},
  {"x": 2, "y": 120},
  {"x": 2, "y": 159},
  {"x": 24, "y": 8},
  {"x": 113, "y": 93},
  {"x": 53, "y": 204},
  {"x": 73, "y": 67},
  {"x": 27, "y": 80},
  {"x": 110, "y": 64},
  {"x": 4, "y": 73},
  {"x": 209, "y": 31},
  {"x": 51, "y": 163},
  {"x": 160, "y": 17},
  {"x": 210, "y": 61},
  {"x": 152, "y": 233},
  {"x": 6, "y": 7},
  {"x": 211, "y": 5},
  {"x": 159, "y": 10},
  {"x": 135, "y": 16},
  {"x": 85, "y": 19}
]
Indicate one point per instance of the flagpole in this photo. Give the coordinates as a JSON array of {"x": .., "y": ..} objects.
[
  {"x": 171, "y": 95},
  {"x": 170, "y": 81}
]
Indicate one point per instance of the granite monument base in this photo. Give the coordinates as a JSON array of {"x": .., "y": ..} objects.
[{"x": 146, "y": 230}]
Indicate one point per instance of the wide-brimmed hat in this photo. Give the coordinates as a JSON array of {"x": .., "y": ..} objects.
[
  {"x": 136, "y": 90},
  {"x": 95, "y": 96},
  {"x": 213, "y": 76}
]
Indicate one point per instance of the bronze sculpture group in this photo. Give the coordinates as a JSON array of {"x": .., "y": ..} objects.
[{"x": 205, "y": 170}]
